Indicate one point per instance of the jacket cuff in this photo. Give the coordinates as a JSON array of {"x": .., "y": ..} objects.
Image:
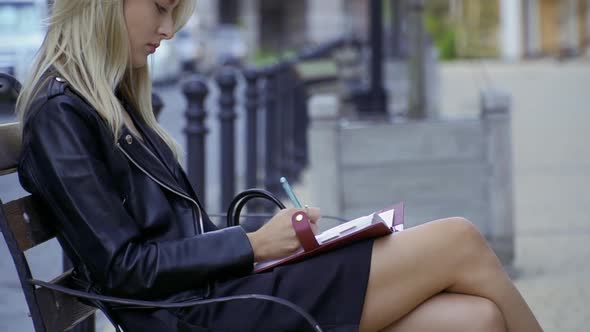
[{"x": 242, "y": 248}]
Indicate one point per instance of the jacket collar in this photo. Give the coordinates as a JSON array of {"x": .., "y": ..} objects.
[
  {"x": 147, "y": 161},
  {"x": 159, "y": 162},
  {"x": 151, "y": 137}
]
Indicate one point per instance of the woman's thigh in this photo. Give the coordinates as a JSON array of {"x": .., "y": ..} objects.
[
  {"x": 411, "y": 266},
  {"x": 451, "y": 312}
]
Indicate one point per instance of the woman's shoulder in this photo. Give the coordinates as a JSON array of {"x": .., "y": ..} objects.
[
  {"x": 56, "y": 99},
  {"x": 58, "y": 122}
]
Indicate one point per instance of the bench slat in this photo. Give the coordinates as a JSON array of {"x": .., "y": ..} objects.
[
  {"x": 10, "y": 146},
  {"x": 25, "y": 217},
  {"x": 61, "y": 312}
]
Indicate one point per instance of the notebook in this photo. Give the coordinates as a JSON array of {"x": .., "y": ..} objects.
[{"x": 379, "y": 223}]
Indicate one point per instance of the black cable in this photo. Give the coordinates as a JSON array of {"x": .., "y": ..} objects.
[
  {"x": 238, "y": 203},
  {"x": 169, "y": 305},
  {"x": 233, "y": 217}
]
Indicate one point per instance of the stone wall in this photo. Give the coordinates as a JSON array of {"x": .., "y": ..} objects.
[{"x": 439, "y": 168}]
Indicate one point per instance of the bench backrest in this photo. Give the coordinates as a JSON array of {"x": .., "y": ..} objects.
[{"x": 24, "y": 225}]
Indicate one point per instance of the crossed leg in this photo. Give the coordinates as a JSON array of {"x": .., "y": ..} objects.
[
  {"x": 451, "y": 312},
  {"x": 410, "y": 269}
]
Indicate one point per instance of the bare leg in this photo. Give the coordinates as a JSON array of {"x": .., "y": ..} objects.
[
  {"x": 445, "y": 255},
  {"x": 450, "y": 312}
]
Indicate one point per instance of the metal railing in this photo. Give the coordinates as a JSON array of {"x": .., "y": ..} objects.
[{"x": 275, "y": 104}]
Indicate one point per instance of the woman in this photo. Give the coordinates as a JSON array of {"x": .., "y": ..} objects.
[{"x": 132, "y": 225}]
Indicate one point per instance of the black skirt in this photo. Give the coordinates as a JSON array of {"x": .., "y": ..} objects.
[{"x": 331, "y": 287}]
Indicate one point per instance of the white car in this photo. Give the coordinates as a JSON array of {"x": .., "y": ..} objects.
[{"x": 21, "y": 34}]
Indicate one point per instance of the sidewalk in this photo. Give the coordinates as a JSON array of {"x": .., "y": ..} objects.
[
  {"x": 551, "y": 154},
  {"x": 551, "y": 119}
]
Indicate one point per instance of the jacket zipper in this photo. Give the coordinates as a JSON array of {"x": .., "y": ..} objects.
[{"x": 202, "y": 228}]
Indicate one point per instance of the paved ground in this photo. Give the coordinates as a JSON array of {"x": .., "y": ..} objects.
[
  {"x": 552, "y": 187},
  {"x": 551, "y": 131},
  {"x": 551, "y": 123}
]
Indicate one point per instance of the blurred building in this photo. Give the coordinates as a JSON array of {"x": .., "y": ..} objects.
[
  {"x": 273, "y": 25},
  {"x": 509, "y": 29},
  {"x": 519, "y": 29},
  {"x": 556, "y": 26}
]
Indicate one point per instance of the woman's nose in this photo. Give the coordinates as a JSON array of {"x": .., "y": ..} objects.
[{"x": 166, "y": 29}]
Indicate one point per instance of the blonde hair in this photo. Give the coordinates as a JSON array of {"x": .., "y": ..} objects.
[{"x": 87, "y": 45}]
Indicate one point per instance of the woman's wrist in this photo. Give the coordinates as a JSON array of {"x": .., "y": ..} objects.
[{"x": 257, "y": 246}]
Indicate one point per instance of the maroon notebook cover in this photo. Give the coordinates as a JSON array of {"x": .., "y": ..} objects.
[{"x": 310, "y": 246}]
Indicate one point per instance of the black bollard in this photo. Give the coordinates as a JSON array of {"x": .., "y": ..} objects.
[
  {"x": 226, "y": 79},
  {"x": 195, "y": 90},
  {"x": 157, "y": 105},
  {"x": 271, "y": 171},
  {"x": 301, "y": 121},
  {"x": 251, "y": 76},
  {"x": 281, "y": 131},
  {"x": 252, "y": 105},
  {"x": 289, "y": 126}
]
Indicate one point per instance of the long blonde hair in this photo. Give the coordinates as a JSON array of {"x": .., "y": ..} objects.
[{"x": 87, "y": 45}]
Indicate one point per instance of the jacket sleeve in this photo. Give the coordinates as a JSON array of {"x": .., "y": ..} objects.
[{"x": 63, "y": 162}]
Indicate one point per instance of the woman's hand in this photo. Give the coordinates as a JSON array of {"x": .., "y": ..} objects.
[{"x": 277, "y": 237}]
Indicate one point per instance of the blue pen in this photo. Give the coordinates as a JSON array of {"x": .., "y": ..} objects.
[{"x": 290, "y": 193}]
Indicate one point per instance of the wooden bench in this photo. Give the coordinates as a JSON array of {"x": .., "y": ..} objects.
[
  {"x": 22, "y": 227},
  {"x": 55, "y": 306}
]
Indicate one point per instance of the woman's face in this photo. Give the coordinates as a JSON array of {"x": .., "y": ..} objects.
[{"x": 148, "y": 22}]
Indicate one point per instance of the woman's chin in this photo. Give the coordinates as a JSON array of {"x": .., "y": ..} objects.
[{"x": 139, "y": 63}]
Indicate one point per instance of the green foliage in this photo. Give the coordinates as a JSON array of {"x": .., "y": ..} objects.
[
  {"x": 444, "y": 36},
  {"x": 387, "y": 11},
  {"x": 443, "y": 31},
  {"x": 438, "y": 23},
  {"x": 264, "y": 57}
]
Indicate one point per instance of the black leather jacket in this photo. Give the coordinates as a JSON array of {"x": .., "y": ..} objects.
[{"x": 125, "y": 211}]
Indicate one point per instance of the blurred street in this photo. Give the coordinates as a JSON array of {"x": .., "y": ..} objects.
[
  {"x": 434, "y": 58},
  {"x": 551, "y": 177}
]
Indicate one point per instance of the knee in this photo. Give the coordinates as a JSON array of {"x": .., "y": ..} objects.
[
  {"x": 489, "y": 317},
  {"x": 466, "y": 239},
  {"x": 464, "y": 231}
]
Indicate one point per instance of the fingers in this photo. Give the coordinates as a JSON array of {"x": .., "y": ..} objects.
[
  {"x": 314, "y": 214},
  {"x": 314, "y": 228}
]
